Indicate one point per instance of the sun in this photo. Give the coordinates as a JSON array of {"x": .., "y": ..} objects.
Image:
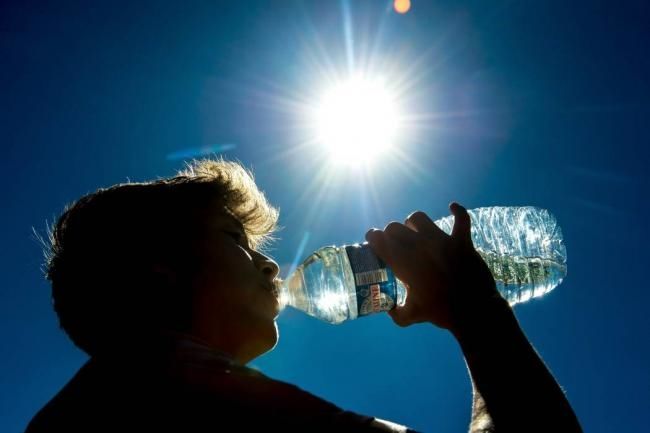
[{"x": 357, "y": 120}]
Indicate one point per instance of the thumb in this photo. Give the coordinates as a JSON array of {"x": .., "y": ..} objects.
[
  {"x": 462, "y": 223},
  {"x": 400, "y": 316}
]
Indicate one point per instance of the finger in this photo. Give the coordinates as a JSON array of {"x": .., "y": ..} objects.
[
  {"x": 421, "y": 223},
  {"x": 393, "y": 250},
  {"x": 462, "y": 223},
  {"x": 399, "y": 232},
  {"x": 377, "y": 241}
]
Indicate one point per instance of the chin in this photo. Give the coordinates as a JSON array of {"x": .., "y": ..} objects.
[
  {"x": 267, "y": 339},
  {"x": 273, "y": 336}
]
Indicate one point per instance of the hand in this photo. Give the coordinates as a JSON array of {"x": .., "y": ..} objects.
[{"x": 446, "y": 279}]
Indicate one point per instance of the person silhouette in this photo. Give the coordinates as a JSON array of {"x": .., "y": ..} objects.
[{"x": 164, "y": 284}]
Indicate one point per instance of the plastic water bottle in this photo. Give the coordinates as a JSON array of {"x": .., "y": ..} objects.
[{"x": 522, "y": 247}]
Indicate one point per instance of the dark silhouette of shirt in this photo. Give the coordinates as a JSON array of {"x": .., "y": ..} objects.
[{"x": 174, "y": 383}]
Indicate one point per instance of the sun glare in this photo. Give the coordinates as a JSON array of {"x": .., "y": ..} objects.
[{"x": 357, "y": 120}]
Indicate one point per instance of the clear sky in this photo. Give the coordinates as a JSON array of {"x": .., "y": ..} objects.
[{"x": 511, "y": 103}]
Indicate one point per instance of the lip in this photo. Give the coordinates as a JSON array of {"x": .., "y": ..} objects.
[{"x": 272, "y": 290}]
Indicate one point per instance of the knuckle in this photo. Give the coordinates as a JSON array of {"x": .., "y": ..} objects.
[
  {"x": 392, "y": 227},
  {"x": 417, "y": 215}
]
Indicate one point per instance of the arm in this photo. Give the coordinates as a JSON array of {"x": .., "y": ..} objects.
[
  {"x": 450, "y": 286},
  {"x": 513, "y": 389}
]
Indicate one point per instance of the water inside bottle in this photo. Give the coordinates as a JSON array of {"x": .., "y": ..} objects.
[
  {"x": 519, "y": 278},
  {"x": 319, "y": 286}
]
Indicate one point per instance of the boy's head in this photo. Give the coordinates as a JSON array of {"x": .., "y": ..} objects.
[{"x": 178, "y": 254}]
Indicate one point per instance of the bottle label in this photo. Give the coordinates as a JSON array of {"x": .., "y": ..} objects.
[{"x": 375, "y": 282}]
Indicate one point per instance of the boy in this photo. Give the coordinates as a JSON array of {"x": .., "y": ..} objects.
[{"x": 164, "y": 285}]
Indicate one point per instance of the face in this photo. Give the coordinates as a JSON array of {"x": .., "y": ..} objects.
[{"x": 235, "y": 305}]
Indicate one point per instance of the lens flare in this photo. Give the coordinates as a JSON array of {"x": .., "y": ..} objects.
[{"x": 402, "y": 6}]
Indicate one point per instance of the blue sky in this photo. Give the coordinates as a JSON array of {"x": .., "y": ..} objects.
[{"x": 517, "y": 103}]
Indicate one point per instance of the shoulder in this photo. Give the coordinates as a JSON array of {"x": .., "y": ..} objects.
[
  {"x": 257, "y": 402},
  {"x": 350, "y": 421},
  {"x": 381, "y": 425},
  {"x": 199, "y": 399}
]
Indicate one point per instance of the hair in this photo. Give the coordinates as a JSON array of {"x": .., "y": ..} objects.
[{"x": 105, "y": 249}]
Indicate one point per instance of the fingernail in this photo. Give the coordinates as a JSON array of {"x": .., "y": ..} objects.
[{"x": 370, "y": 233}]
